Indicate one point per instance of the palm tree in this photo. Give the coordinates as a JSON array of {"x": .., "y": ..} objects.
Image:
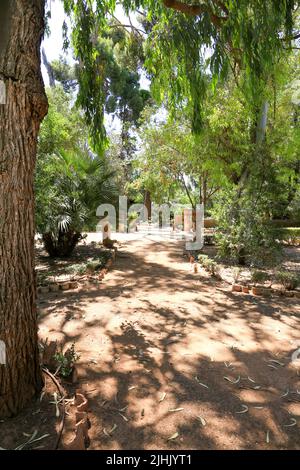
[{"x": 69, "y": 188}]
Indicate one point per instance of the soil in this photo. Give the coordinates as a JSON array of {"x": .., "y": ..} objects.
[{"x": 173, "y": 358}]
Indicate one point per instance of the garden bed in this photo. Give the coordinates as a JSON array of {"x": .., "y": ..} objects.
[
  {"x": 88, "y": 264},
  {"x": 280, "y": 280}
]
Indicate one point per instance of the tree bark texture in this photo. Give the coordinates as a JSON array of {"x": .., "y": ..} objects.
[{"x": 20, "y": 118}]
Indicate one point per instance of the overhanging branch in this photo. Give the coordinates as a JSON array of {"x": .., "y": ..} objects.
[{"x": 196, "y": 10}]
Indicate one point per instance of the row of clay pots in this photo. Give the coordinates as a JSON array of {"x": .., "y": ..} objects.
[
  {"x": 258, "y": 290},
  {"x": 67, "y": 285}
]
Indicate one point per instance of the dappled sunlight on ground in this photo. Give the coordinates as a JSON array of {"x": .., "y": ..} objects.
[{"x": 166, "y": 351}]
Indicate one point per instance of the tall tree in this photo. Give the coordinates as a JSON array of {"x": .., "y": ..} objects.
[{"x": 20, "y": 118}]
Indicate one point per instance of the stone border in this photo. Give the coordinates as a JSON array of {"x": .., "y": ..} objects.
[
  {"x": 248, "y": 288},
  {"x": 74, "y": 284},
  {"x": 264, "y": 291}
]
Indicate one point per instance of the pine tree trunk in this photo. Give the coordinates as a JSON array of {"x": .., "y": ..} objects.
[
  {"x": 20, "y": 118},
  {"x": 148, "y": 205}
]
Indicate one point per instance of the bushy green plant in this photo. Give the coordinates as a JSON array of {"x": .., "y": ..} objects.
[
  {"x": 259, "y": 276},
  {"x": 202, "y": 259},
  {"x": 290, "y": 235},
  {"x": 65, "y": 361},
  {"x": 79, "y": 269},
  {"x": 209, "y": 264},
  {"x": 244, "y": 235},
  {"x": 236, "y": 274},
  {"x": 288, "y": 279}
]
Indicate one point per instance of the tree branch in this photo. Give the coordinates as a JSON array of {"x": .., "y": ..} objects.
[
  {"x": 186, "y": 190},
  {"x": 126, "y": 26},
  {"x": 196, "y": 10}
]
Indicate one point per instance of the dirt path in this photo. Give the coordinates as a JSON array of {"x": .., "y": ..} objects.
[{"x": 156, "y": 337}]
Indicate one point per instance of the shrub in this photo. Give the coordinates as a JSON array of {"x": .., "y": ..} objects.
[
  {"x": 65, "y": 361},
  {"x": 236, "y": 274},
  {"x": 287, "y": 279},
  {"x": 244, "y": 235},
  {"x": 290, "y": 235},
  {"x": 259, "y": 276},
  {"x": 203, "y": 259},
  {"x": 209, "y": 264}
]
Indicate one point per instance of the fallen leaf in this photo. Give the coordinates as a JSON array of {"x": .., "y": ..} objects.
[
  {"x": 202, "y": 420},
  {"x": 123, "y": 409},
  {"x": 232, "y": 381},
  {"x": 244, "y": 410},
  {"x": 172, "y": 410},
  {"x": 200, "y": 383},
  {"x": 292, "y": 423},
  {"x": 124, "y": 417},
  {"x": 276, "y": 362},
  {"x": 113, "y": 429},
  {"x": 174, "y": 436}
]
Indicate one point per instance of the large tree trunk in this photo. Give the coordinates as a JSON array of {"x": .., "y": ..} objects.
[
  {"x": 20, "y": 118},
  {"x": 148, "y": 205}
]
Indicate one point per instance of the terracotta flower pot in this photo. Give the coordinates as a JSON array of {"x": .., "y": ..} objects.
[
  {"x": 289, "y": 293},
  {"x": 246, "y": 289},
  {"x": 73, "y": 285},
  {"x": 236, "y": 288},
  {"x": 54, "y": 288},
  {"x": 266, "y": 292},
  {"x": 44, "y": 289},
  {"x": 65, "y": 286},
  {"x": 257, "y": 290}
]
